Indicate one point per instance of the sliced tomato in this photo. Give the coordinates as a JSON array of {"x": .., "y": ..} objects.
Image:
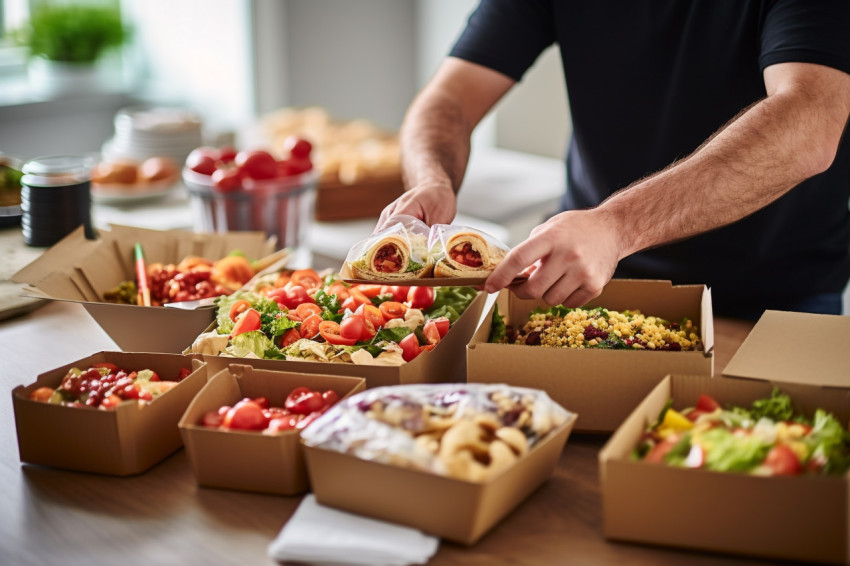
[
  {"x": 392, "y": 309},
  {"x": 238, "y": 308},
  {"x": 282, "y": 279},
  {"x": 331, "y": 333},
  {"x": 782, "y": 461},
  {"x": 707, "y": 403},
  {"x": 249, "y": 320},
  {"x": 307, "y": 278},
  {"x": 340, "y": 290},
  {"x": 443, "y": 325},
  {"x": 432, "y": 335},
  {"x": 410, "y": 347},
  {"x": 399, "y": 292},
  {"x": 372, "y": 314},
  {"x": 370, "y": 290},
  {"x": 660, "y": 450},
  {"x": 351, "y": 327},
  {"x": 331, "y": 397},
  {"x": 304, "y": 310},
  {"x": 289, "y": 337},
  {"x": 310, "y": 327}
]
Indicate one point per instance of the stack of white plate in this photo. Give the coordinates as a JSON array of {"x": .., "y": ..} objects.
[{"x": 150, "y": 132}]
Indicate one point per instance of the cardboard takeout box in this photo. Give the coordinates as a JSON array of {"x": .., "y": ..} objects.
[
  {"x": 445, "y": 363},
  {"x": 126, "y": 440},
  {"x": 799, "y": 518},
  {"x": 364, "y": 199},
  {"x": 249, "y": 460},
  {"x": 602, "y": 386},
  {"x": 81, "y": 271}
]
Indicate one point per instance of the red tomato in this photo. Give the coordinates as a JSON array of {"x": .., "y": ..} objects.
[
  {"x": 289, "y": 337},
  {"x": 352, "y": 327},
  {"x": 304, "y": 310},
  {"x": 226, "y": 153},
  {"x": 227, "y": 179},
  {"x": 202, "y": 160},
  {"x": 307, "y": 278},
  {"x": 280, "y": 424},
  {"x": 296, "y": 166},
  {"x": 370, "y": 290},
  {"x": 245, "y": 415},
  {"x": 212, "y": 419},
  {"x": 694, "y": 414},
  {"x": 330, "y": 331},
  {"x": 340, "y": 290},
  {"x": 443, "y": 324},
  {"x": 308, "y": 420},
  {"x": 432, "y": 335},
  {"x": 184, "y": 373},
  {"x": 256, "y": 164},
  {"x": 290, "y": 296},
  {"x": 392, "y": 309},
  {"x": 660, "y": 450},
  {"x": 399, "y": 292},
  {"x": 707, "y": 404},
  {"x": 111, "y": 402},
  {"x": 782, "y": 461},
  {"x": 249, "y": 320},
  {"x": 297, "y": 147},
  {"x": 304, "y": 401},
  {"x": 372, "y": 314},
  {"x": 410, "y": 347},
  {"x": 310, "y": 326},
  {"x": 238, "y": 308},
  {"x": 331, "y": 397},
  {"x": 420, "y": 297},
  {"x": 263, "y": 402}
]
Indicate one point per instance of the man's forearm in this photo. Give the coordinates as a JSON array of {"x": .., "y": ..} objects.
[{"x": 754, "y": 160}]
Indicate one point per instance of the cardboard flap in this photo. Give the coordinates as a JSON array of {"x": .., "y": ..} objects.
[
  {"x": 61, "y": 257},
  {"x": 793, "y": 347}
]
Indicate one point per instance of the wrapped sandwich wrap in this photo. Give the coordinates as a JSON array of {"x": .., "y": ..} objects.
[
  {"x": 464, "y": 252},
  {"x": 396, "y": 253}
]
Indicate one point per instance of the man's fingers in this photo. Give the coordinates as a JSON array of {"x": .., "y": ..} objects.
[{"x": 517, "y": 261}]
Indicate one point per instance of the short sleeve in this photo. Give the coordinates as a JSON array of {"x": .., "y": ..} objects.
[
  {"x": 805, "y": 31},
  {"x": 507, "y": 35}
]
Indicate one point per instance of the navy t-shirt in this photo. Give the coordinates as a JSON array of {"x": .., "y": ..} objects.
[{"x": 648, "y": 82}]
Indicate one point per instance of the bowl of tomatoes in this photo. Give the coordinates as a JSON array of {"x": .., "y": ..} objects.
[{"x": 252, "y": 189}]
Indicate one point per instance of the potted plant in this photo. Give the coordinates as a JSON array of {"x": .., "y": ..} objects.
[{"x": 66, "y": 41}]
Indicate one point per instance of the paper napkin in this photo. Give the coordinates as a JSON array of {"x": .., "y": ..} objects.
[{"x": 319, "y": 534}]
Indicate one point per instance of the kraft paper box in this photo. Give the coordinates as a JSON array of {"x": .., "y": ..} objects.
[
  {"x": 602, "y": 386},
  {"x": 453, "y": 509},
  {"x": 445, "y": 363},
  {"x": 365, "y": 199},
  {"x": 250, "y": 460},
  {"x": 795, "y": 518},
  {"x": 126, "y": 440},
  {"x": 81, "y": 270}
]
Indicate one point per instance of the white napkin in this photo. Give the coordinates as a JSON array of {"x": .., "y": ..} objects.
[{"x": 322, "y": 535}]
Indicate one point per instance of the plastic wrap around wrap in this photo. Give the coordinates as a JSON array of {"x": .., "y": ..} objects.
[
  {"x": 397, "y": 252},
  {"x": 460, "y": 251},
  {"x": 467, "y": 431}
]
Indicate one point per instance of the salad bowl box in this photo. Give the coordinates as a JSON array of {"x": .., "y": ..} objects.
[
  {"x": 251, "y": 460},
  {"x": 601, "y": 385},
  {"x": 445, "y": 363},
  {"x": 126, "y": 440},
  {"x": 81, "y": 271},
  {"x": 803, "y": 518}
]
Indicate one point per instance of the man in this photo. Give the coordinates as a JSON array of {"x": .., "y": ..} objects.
[{"x": 708, "y": 112}]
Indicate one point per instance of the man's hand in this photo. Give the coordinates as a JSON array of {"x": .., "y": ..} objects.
[
  {"x": 433, "y": 204},
  {"x": 568, "y": 259}
]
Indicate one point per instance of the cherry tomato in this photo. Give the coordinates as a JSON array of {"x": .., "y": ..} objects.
[
  {"x": 392, "y": 309},
  {"x": 212, "y": 419},
  {"x": 372, "y": 314},
  {"x": 660, "y": 450},
  {"x": 331, "y": 397},
  {"x": 42, "y": 394},
  {"x": 340, "y": 290},
  {"x": 238, "y": 308},
  {"x": 707, "y": 404},
  {"x": 782, "y": 461},
  {"x": 330, "y": 331},
  {"x": 256, "y": 164},
  {"x": 280, "y": 424},
  {"x": 357, "y": 298},
  {"x": 432, "y": 335},
  {"x": 420, "y": 297},
  {"x": 308, "y": 420},
  {"x": 183, "y": 374},
  {"x": 409, "y": 347},
  {"x": 296, "y": 166},
  {"x": 290, "y": 296},
  {"x": 111, "y": 402},
  {"x": 263, "y": 402},
  {"x": 249, "y": 320},
  {"x": 443, "y": 324},
  {"x": 226, "y": 153},
  {"x": 310, "y": 326},
  {"x": 304, "y": 310},
  {"x": 399, "y": 292},
  {"x": 370, "y": 290},
  {"x": 227, "y": 179},
  {"x": 304, "y": 401},
  {"x": 289, "y": 337},
  {"x": 297, "y": 147},
  {"x": 245, "y": 415},
  {"x": 307, "y": 278},
  {"x": 355, "y": 328},
  {"x": 202, "y": 160}
]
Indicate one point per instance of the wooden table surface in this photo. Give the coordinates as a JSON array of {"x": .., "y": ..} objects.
[{"x": 160, "y": 517}]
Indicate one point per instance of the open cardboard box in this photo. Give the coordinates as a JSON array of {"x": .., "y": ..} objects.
[
  {"x": 454, "y": 509},
  {"x": 603, "y": 386},
  {"x": 126, "y": 440},
  {"x": 365, "y": 199},
  {"x": 799, "y": 518},
  {"x": 247, "y": 460},
  {"x": 81, "y": 270},
  {"x": 445, "y": 363}
]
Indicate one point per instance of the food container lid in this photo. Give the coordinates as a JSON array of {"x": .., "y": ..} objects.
[{"x": 57, "y": 170}]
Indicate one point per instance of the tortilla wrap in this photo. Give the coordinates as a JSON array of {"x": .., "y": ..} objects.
[
  {"x": 489, "y": 255},
  {"x": 368, "y": 265}
]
